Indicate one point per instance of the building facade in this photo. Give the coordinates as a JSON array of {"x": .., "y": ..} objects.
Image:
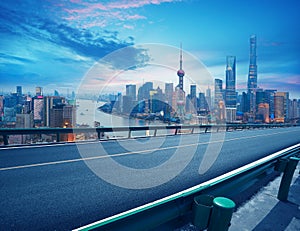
[
  {"x": 230, "y": 93},
  {"x": 252, "y": 75}
]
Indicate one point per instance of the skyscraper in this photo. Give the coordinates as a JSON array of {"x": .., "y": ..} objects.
[
  {"x": 19, "y": 90},
  {"x": 270, "y": 100},
  {"x": 49, "y": 103},
  {"x": 169, "y": 92},
  {"x": 1, "y": 107},
  {"x": 193, "y": 91},
  {"x": 193, "y": 98},
  {"x": 252, "y": 76},
  {"x": 131, "y": 91},
  {"x": 281, "y": 106},
  {"x": 38, "y": 110},
  {"x": 230, "y": 94},
  {"x": 278, "y": 108},
  {"x": 180, "y": 72},
  {"x": 294, "y": 109},
  {"x": 144, "y": 91},
  {"x": 19, "y": 95},
  {"x": 208, "y": 98},
  {"x": 218, "y": 92}
]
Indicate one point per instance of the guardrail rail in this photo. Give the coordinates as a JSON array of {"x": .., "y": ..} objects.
[
  {"x": 160, "y": 214},
  {"x": 6, "y": 132}
]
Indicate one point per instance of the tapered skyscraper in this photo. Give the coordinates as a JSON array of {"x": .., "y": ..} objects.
[
  {"x": 252, "y": 76},
  {"x": 230, "y": 94}
]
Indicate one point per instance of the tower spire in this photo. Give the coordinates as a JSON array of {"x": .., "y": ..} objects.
[{"x": 180, "y": 56}]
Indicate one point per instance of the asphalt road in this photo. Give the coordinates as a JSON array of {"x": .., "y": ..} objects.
[{"x": 65, "y": 186}]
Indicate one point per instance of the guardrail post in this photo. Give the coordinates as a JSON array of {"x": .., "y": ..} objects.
[
  {"x": 129, "y": 133},
  {"x": 221, "y": 214},
  {"x": 202, "y": 208},
  {"x": 5, "y": 139},
  {"x": 206, "y": 130},
  {"x": 176, "y": 130},
  {"x": 155, "y": 131},
  {"x": 192, "y": 132},
  {"x": 57, "y": 137},
  {"x": 287, "y": 178}
]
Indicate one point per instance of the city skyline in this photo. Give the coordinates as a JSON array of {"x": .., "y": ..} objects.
[{"x": 54, "y": 44}]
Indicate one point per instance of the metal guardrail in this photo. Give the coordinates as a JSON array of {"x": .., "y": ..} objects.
[
  {"x": 169, "y": 209},
  {"x": 6, "y": 132}
]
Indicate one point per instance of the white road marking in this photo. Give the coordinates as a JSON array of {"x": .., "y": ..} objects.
[{"x": 133, "y": 153}]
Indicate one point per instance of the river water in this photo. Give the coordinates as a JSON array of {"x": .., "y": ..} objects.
[{"x": 87, "y": 113}]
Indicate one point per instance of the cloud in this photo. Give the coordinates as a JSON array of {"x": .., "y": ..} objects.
[
  {"x": 94, "y": 14},
  {"x": 37, "y": 49},
  {"x": 14, "y": 59},
  {"x": 84, "y": 42},
  {"x": 129, "y": 27}
]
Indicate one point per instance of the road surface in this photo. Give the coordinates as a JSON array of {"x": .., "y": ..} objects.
[{"x": 58, "y": 187}]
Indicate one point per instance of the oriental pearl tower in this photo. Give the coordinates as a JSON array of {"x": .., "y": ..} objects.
[
  {"x": 180, "y": 72},
  {"x": 180, "y": 94}
]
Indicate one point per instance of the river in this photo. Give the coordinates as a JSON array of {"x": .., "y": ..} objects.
[{"x": 87, "y": 113}]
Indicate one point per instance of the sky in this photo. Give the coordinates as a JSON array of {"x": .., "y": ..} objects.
[{"x": 99, "y": 46}]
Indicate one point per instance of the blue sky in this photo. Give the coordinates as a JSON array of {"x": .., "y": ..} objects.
[{"x": 56, "y": 43}]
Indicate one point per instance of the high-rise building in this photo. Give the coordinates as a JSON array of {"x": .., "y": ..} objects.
[
  {"x": 191, "y": 100},
  {"x": 260, "y": 97},
  {"x": 1, "y": 107},
  {"x": 252, "y": 76},
  {"x": 156, "y": 102},
  {"x": 69, "y": 115},
  {"x": 193, "y": 91},
  {"x": 38, "y": 111},
  {"x": 230, "y": 93},
  {"x": 208, "y": 98},
  {"x": 294, "y": 109},
  {"x": 202, "y": 105},
  {"x": 38, "y": 91},
  {"x": 144, "y": 91},
  {"x": 56, "y": 116},
  {"x": 270, "y": 100},
  {"x": 128, "y": 104},
  {"x": 244, "y": 102},
  {"x": 49, "y": 103},
  {"x": 169, "y": 92},
  {"x": 281, "y": 100},
  {"x": 278, "y": 108},
  {"x": 19, "y": 90},
  {"x": 131, "y": 91},
  {"x": 218, "y": 92},
  {"x": 20, "y": 99}
]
